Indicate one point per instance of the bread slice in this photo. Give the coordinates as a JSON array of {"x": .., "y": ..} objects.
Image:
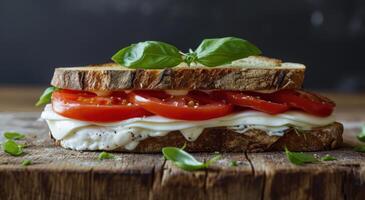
[
  {"x": 252, "y": 73},
  {"x": 254, "y": 140}
]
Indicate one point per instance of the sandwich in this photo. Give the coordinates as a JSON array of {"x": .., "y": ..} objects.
[{"x": 224, "y": 96}]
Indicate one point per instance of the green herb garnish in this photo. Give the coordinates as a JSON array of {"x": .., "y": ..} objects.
[
  {"x": 184, "y": 160},
  {"x": 220, "y": 51},
  {"x": 361, "y": 135},
  {"x": 360, "y": 148},
  {"x": 104, "y": 155},
  {"x": 13, "y": 135},
  {"x": 159, "y": 55},
  {"x": 12, "y": 148},
  {"x": 148, "y": 54},
  {"x": 22, "y": 145},
  {"x": 233, "y": 163},
  {"x": 46, "y": 96},
  {"x": 300, "y": 158},
  {"x": 328, "y": 158},
  {"x": 26, "y": 162}
]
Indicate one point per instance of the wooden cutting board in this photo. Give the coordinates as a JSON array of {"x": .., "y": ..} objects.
[{"x": 57, "y": 173}]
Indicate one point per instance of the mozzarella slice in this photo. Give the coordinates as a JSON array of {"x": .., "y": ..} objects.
[{"x": 82, "y": 135}]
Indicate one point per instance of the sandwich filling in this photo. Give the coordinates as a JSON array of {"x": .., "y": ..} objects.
[{"x": 106, "y": 121}]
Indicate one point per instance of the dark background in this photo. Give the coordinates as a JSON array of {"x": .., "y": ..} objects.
[{"x": 326, "y": 35}]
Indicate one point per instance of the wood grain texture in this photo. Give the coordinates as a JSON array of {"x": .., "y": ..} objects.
[
  {"x": 329, "y": 180},
  {"x": 57, "y": 173}
]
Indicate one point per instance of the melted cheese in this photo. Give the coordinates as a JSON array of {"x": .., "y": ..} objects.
[{"x": 82, "y": 135}]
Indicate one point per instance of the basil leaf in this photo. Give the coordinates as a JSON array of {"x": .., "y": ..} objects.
[
  {"x": 300, "y": 158},
  {"x": 26, "y": 162},
  {"x": 361, "y": 135},
  {"x": 13, "y": 135},
  {"x": 158, "y": 55},
  {"x": 360, "y": 149},
  {"x": 212, "y": 160},
  {"x": 46, "y": 96},
  {"x": 220, "y": 51},
  {"x": 104, "y": 155},
  {"x": 148, "y": 55},
  {"x": 328, "y": 158},
  {"x": 12, "y": 148},
  {"x": 233, "y": 163},
  {"x": 184, "y": 160}
]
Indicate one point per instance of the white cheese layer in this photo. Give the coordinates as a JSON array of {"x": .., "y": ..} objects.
[{"x": 82, "y": 135}]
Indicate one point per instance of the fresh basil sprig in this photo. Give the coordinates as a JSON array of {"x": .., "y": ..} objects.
[
  {"x": 13, "y": 135},
  {"x": 158, "y": 55},
  {"x": 12, "y": 148},
  {"x": 184, "y": 160},
  {"x": 46, "y": 96},
  {"x": 300, "y": 158}
]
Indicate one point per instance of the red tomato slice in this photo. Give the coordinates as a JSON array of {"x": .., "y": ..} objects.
[
  {"x": 254, "y": 101},
  {"x": 194, "y": 106},
  {"x": 306, "y": 101},
  {"x": 87, "y": 106}
]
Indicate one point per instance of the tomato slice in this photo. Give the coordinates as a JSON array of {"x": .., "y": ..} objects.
[
  {"x": 87, "y": 106},
  {"x": 193, "y": 106},
  {"x": 196, "y": 105},
  {"x": 309, "y": 102},
  {"x": 254, "y": 101}
]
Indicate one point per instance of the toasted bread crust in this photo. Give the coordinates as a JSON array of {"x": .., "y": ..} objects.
[
  {"x": 254, "y": 140},
  {"x": 112, "y": 77}
]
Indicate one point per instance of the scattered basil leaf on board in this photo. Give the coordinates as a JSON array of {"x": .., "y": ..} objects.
[
  {"x": 300, "y": 158},
  {"x": 22, "y": 145},
  {"x": 12, "y": 148},
  {"x": 233, "y": 163},
  {"x": 13, "y": 135},
  {"x": 26, "y": 162},
  {"x": 46, "y": 96},
  {"x": 105, "y": 155},
  {"x": 159, "y": 55},
  {"x": 219, "y": 51},
  {"x": 184, "y": 160},
  {"x": 328, "y": 158},
  {"x": 361, "y": 135},
  {"x": 212, "y": 160},
  {"x": 360, "y": 148},
  {"x": 148, "y": 55}
]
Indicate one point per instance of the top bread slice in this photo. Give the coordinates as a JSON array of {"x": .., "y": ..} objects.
[{"x": 252, "y": 73}]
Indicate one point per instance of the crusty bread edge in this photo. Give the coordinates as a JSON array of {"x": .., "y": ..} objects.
[{"x": 219, "y": 78}]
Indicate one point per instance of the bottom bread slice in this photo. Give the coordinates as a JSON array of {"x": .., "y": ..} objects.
[{"x": 253, "y": 140}]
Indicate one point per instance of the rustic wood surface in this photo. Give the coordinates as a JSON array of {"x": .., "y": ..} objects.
[{"x": 57, "y": 173}]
